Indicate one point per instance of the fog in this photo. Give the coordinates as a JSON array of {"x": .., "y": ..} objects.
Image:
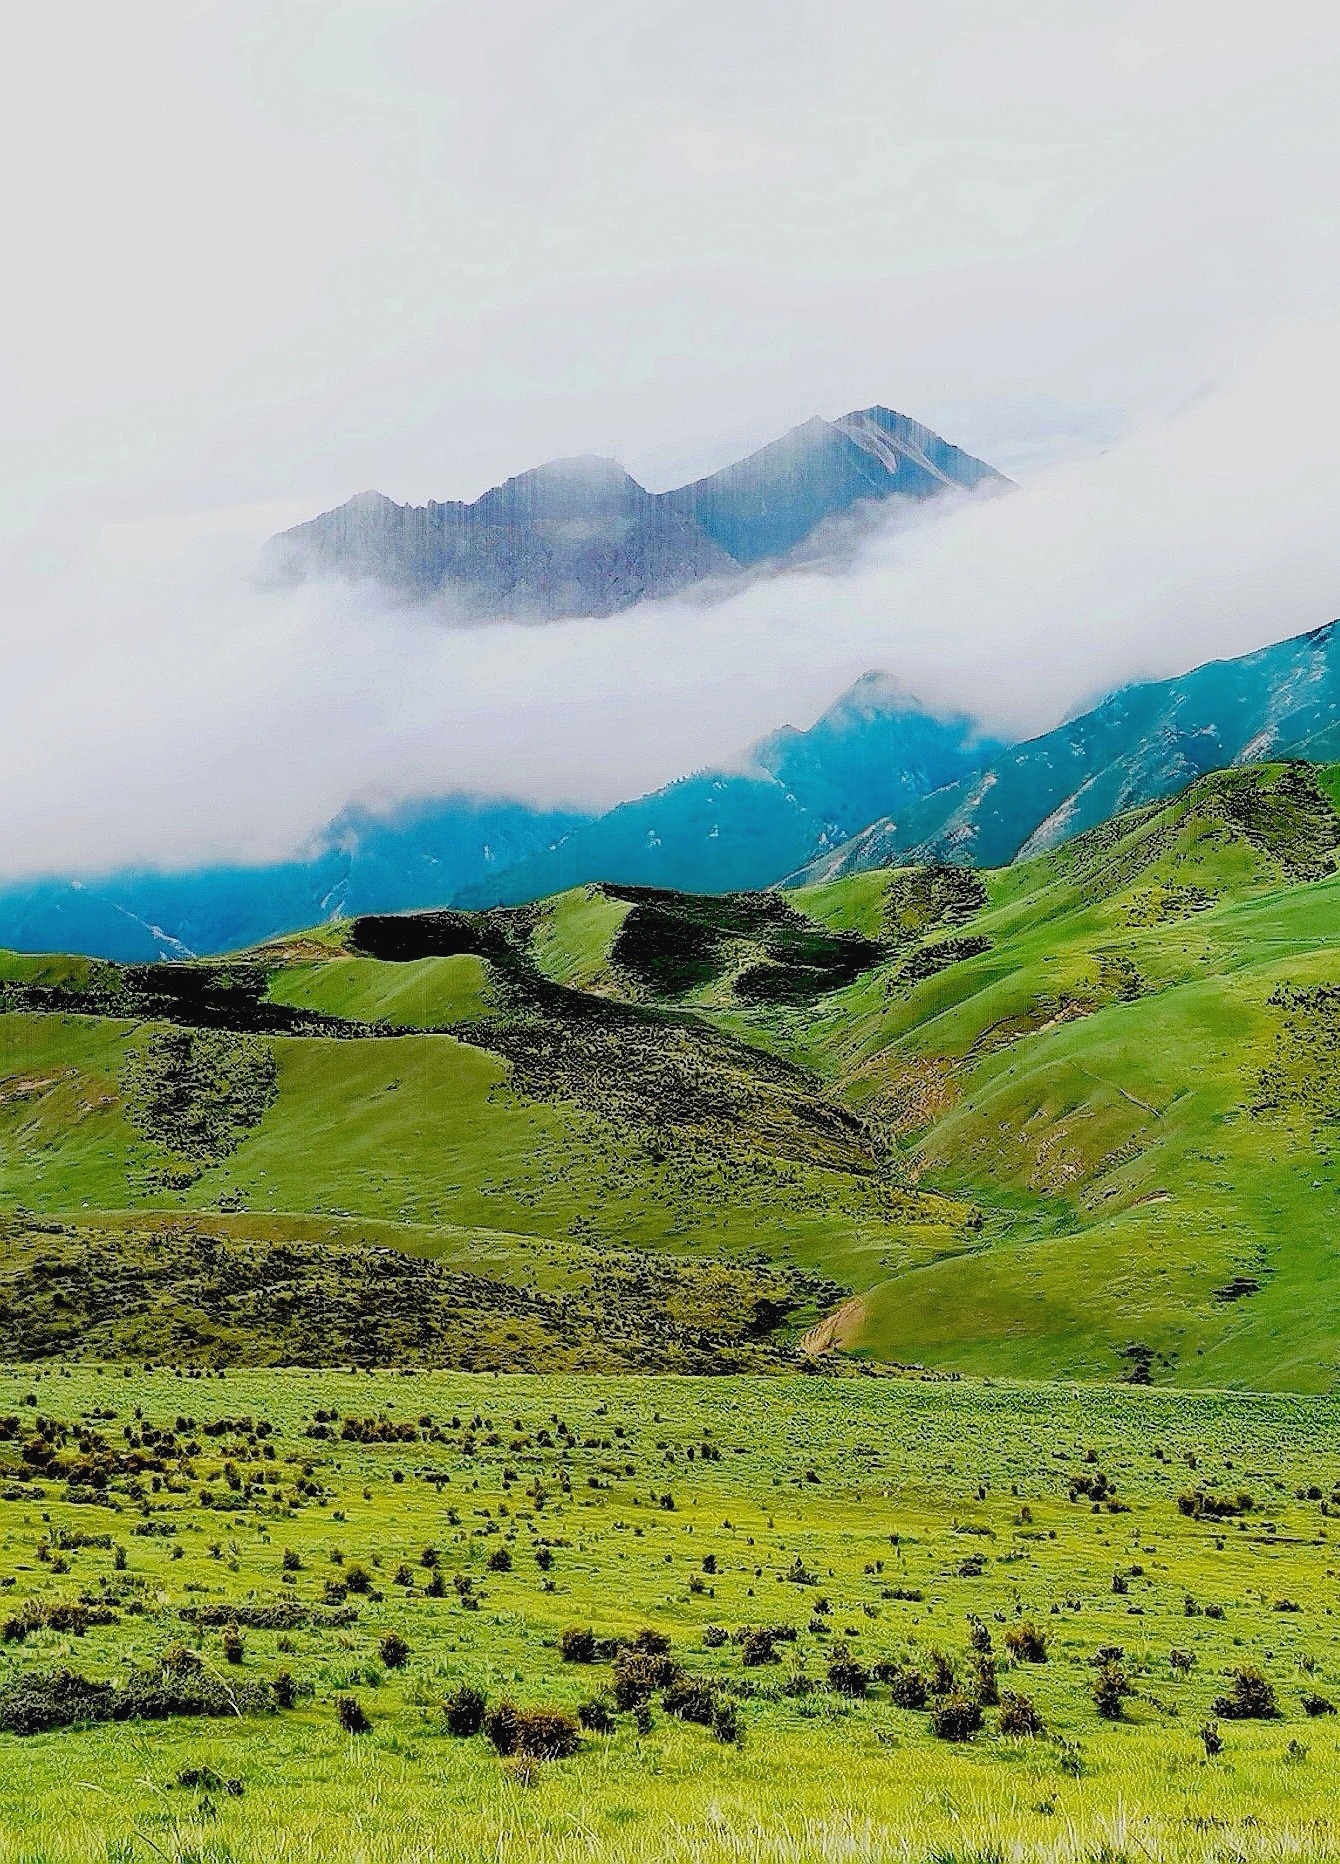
[{"x": 161, "y": 705}]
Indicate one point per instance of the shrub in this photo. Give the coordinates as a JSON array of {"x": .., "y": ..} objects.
[
  {"x": 714, "y": 1636},
  {"x": 907, "y": 1687},
  {"x": 944, "y": 1677},
  {"x": 233, "y": 1645},
  {"x": 499, "y": 1725},
  {"x": 845, "y": 1675},
  {"x": 547, "y": 1734},
  {"x": 691, "y": 1699},
  {"x": 1018, "y": 1715},
  {"x": 289, "y": 1561},
  {"x": 984, "y": 1671},
  {"x": 1111, "y": 1686},
  {"x": 284, "y": 1688},
  {"x": 534, "y": 1733},
  {"x": 1252, "y": 1699},
  {"x": 499, "y": 1561},
  {"x": 956, "y": 1718},
  {"x": 577, "y": 1644},
  {"x": 596, "y": 1715},
  {"x": 357, "y": 1579},
  {"x": 638, "y": 1674},
  {"x": 393, "y": 1651},
  {"x": 726, "y": 1724},
  {"x": 979, "y": 1637},
  {"x": 349, "y": 1714},
  {"x": 464, "y": 1710},
  {"x": 1026, "y": 1643},
  {"x": 1313, "y": 1704},
  {"x": 757, "y": 1646},
  {"x": 1211, "y": 1739}
]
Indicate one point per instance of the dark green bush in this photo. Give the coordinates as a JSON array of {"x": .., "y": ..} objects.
[
  {"x": 464, "y": 1710},
  {"x": 956, "y": 1718},
  {"x": 393, "y": 1651},
  {"x": 1018, "y": 1715},
  {"x": 349, "y": 1714},
  {"x": 1252, "y": 1699}
]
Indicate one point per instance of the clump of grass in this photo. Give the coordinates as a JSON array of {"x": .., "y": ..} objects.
[
  {"x": 1026, "y": 1643},
  {"x": 464, "y": 1710},
  {"x": 1018, "y": 1716},
  {"x": 956, "y": 1717},
  {"x": 351, "y": 1716},
  {"x": 1251, "y": 1698}
]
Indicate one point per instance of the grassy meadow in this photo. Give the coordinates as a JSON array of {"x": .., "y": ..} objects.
[
  {"x": 867, "y": 1528},
  {"x": 841, "y": 1374}
]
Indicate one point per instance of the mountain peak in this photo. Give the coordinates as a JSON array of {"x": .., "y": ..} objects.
[{"x": 580, "y": 536}]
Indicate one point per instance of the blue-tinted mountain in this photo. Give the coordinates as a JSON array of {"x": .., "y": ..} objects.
[
  {"x": 799, "y": 792},
  {"x": 419, "y": 856},
  {"x": 582, "y": 537},
  {"x": 1141, "y": 743}
]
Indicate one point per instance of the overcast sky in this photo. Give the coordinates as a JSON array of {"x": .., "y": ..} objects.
[{"x": 264, "y": 253}]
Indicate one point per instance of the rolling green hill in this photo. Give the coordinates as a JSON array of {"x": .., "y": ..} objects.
[{"x": 1073, "y": 1117}]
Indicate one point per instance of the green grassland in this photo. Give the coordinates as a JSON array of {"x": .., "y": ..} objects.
[
  {"x": 876, "y": 1521},
  {"x": 1074, "y": 1118}
]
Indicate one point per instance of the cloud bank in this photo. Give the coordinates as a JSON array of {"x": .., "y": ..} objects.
[{"x": 159, "y": 706}]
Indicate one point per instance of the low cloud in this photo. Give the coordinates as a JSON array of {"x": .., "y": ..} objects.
[{"x": 160, "y": 706}]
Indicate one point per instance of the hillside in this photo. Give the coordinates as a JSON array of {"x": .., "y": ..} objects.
[{"x": 1070, "y": 1118}]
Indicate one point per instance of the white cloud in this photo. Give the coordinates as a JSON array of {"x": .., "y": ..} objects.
[{"x": 158, "y": 705}]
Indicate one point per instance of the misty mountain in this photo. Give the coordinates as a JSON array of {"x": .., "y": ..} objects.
[
  {"x": 1143, "y": 742},
  {"x": 799, "y": 792},
  {"x": 420, "y": 855},
  {"x": 582, "y": 537}
]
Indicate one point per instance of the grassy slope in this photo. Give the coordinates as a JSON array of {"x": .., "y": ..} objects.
[
  {"x": 1085, "y": 1082},
  {"x": 1088, "y": 1079},
  {"x": 874, "y": 1486}
]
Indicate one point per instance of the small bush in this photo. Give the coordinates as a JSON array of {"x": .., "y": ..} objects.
[
  {"x": 534, "y": 1733},
  {"x": 907, "y": 1687},
  {"x": 1111, "y": 1686},
  {"x": 499, "y": 1561},
  {"x": 691, "y": 1699},
  {"x": 1018, "y": 1715},
  {"x": 393, "y": 1651},
  {"x": 758, "y": 1646},
  {"x": 1026, "y": 1643},
  {"x": 464, "y": 1710},
  {"x": 349, "y": 1714},
  {"x": 596, "y": 1715},
  {"x": 1211, "y": 1739},
  {"x": 956, "y": 1718},
  {"x": 284, "y": 1688},
  {"x": 234, "y": 1647},
  {"x": 845, "y": 1675},
  {"x": 357, "y": 1579},
  {"x": 577, "y": 1644},
  {"x": 714, "y": 1636},
  {"x": 1313, "y": 1704},
  {"x": 726, "y": 1724},
  {"x": 1252, "y": 1699},
  {"x": 943, "y": 1677},
  {"x": 638, "y": 1674}
]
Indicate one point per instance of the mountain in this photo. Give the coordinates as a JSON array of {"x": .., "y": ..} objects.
[
  {"x": 800, "y": 791},
  {"x": 582, "y": 537},
  {"x": 1142, "y": 743},
  {"x": 418, "y": 855}
]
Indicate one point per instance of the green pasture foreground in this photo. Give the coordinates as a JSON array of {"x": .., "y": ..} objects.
[{"x": 880, "y": 1515}]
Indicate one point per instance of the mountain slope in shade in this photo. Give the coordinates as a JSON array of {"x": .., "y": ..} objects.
[
  {"x": 800, "y": 791},
  {"x": 420, "y": 855},
  {"x": 582, "y": 537},
  {"x": 1142, "y": 743}
]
